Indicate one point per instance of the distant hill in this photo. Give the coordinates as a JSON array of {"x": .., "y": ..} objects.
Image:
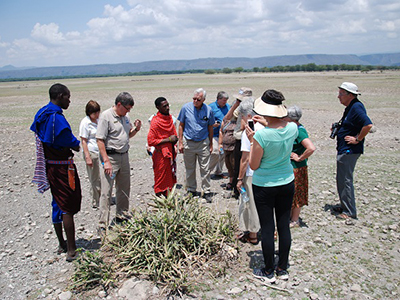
[{"x": 202, "y": 64}]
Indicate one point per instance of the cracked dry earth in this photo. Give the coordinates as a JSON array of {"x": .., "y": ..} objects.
[{"x": 328, "y": 259}]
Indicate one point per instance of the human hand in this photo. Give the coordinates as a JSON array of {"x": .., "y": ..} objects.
[
  {"x": 260, "y": 119},
  {"x": 180, "y": 147},
  {"x": 108, "y": 168},
  {"x": 173, "y": 139},
  {"x": 138, "y": 124},
  {"x": 249, "y": 133},
  {"x": 352, "y": 140},
  {"x": 295, "y": 157},
  {"x": 89, "y": 161},
  {"x": 239, "y": 185}
]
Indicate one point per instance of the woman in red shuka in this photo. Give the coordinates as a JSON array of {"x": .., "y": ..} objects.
[{"x": 162, "y": 135}]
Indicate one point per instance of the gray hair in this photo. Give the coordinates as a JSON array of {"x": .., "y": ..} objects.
[
  {"x": 222, "y": 94},
  {"x": 294, "y": 113},
  {"x": 125, "y": 99},
  {"x": 201, "y": 90}
]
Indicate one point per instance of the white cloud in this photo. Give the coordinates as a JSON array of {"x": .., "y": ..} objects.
[
  {"x": 175, "y": 29},
  {"x": 47, "y": 33}
]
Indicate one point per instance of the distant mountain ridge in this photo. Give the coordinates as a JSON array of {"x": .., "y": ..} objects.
[{"x": 392, "y": 59}]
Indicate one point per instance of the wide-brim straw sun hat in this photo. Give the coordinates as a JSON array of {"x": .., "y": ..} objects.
[{"x": 266, "y": 108}]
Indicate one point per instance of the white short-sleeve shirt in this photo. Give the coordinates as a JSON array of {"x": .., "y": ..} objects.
[
  {"x": 245, "y": 147},
  {"x": 87, "y": 130}
]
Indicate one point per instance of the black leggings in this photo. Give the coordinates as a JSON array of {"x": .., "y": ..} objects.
[{"x": 268, "y": 200}]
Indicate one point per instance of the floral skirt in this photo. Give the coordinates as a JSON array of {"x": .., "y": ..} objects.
[{"x": 300, "y": 197}]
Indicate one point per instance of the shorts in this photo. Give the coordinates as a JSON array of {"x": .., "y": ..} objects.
[{"x": 56, "y": 214}]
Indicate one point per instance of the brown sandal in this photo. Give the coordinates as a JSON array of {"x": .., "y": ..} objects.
[{"x": 252, "y": 239}]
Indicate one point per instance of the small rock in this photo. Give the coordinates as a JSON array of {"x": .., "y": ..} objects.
[
  {"x": 314, "y": 296},
  {"x": 356, "y": 288},
  {"x": 47, "y": 291},
  {"x": 65, "y": 295},
  {"x": 28, "y": 254},
  {"x": 234, "y": 291},
  {"x": 102, "y": 294}
]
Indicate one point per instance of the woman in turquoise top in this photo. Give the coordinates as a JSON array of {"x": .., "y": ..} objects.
[
  {"x": 273, "y": 180},
  {"x": 302, "y": 149}
]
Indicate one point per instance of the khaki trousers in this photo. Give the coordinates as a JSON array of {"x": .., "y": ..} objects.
[
  {"x": 121, "y": 167},
  {"x": 248, "y": 216},
  {"x": 94, "y": 177},
  {"x": 197, "y": 151},
  {"x": 217, "y": 159}
]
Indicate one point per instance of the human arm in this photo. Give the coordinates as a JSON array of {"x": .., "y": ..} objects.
[
  {"x": 244, "y": 162},
  {"x": 256, "y": 154},
  {"x": 358, "y": 138},
  {"x": 85, "y": 148},
  {"x": 220, "y": 136},
  {"x": 171, "y": 139},
  {"x": 310, "y": 148},
  {"x": 210, "y": 136},
  {"x": 103, "y": 153},
  {"x": 229, "y": 115},
  {"x": 180, "y": 135}
]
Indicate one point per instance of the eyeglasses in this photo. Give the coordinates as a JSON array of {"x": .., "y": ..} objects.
[
  {"x": 197, "y": 99},
  {"x": 127, "y": 109}
]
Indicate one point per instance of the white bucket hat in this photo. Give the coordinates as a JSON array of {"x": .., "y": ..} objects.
[
  {"x": 350, "y": 87},
  {"x": 244, "y": 93}
]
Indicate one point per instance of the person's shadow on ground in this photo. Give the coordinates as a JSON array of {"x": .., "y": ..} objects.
[{"x": 90, "y": 245}]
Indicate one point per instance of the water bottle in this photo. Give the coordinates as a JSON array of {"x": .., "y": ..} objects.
[
  {"x": 221, "y": 150},
  {"x": 245, "y": 196}
]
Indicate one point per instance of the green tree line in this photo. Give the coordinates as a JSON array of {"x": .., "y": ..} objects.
[{"x": 312, "y": 67}]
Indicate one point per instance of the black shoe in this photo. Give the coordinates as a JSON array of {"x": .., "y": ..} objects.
[
  {"x": 218, "y": 176},
  {"x": 264, "y": 275},
  {"x": 282, "y": 274},
  {"x": 337, "y": 208},
  {"x": 208, "y": 197},
  {"x": 192, "y": 193},
  {"x": 120, "y": 220}
]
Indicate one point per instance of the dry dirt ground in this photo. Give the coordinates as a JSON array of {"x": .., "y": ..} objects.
[{"x": 328, "y": 258}]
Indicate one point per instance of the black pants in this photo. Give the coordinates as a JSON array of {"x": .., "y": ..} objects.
[
  {"x": 268, "y": 200},
  {"x": 238, "y": 157}
]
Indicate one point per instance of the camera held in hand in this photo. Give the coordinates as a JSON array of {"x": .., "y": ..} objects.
[{"x": 335, "y": 129}]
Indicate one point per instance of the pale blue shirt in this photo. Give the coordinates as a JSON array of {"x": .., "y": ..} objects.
[{"x": 196, "y": 121}]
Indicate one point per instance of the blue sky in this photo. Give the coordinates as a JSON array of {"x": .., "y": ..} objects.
[{"x": 65, "y": 33}]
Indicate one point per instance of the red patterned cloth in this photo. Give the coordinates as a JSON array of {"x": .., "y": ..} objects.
[
  {"x": 300, "y": 197},
  {"x": 164, "y": 155}
]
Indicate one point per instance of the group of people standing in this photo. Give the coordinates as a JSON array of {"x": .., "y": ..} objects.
[{"x": 264, "y": 146}]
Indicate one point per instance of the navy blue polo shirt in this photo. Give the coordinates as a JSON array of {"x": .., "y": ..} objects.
[{"x": 354, "y": 119}]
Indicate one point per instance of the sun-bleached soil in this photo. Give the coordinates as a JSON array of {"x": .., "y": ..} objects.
[{"x": 328, "y": 259}]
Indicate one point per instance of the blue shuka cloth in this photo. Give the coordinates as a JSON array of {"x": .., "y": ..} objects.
[{"x": 52, "y": 128}]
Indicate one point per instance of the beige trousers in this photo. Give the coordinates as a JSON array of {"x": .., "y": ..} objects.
[
  {"x": 217, "y": 159},
  {"x": 197, "y": 151},
  {"x": 94, "y": 177},
  {"x": 121, "y": 167},
  {"x": 248, "y": 216}
]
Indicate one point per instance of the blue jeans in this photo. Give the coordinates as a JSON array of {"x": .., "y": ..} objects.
[
  {"x": 268, "y": 200},
  {"x": 345, "y": 165}
]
